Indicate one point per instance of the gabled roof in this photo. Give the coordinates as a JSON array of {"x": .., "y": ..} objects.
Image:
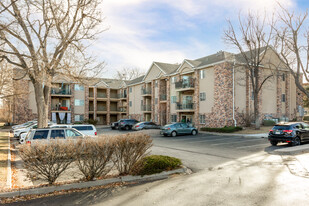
[
  {"x": 167, "y": 68},
  {"x": 136, "y": 80}
]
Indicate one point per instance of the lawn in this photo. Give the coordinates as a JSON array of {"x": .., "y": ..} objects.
[
  {"x": 252, "y": 130},
  {"x": 3, "y": 158}
]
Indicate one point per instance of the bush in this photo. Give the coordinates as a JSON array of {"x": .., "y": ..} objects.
[
  {"x": 156, "y": 163},
  {"x": 267, "y": 122},
  {"x": 94, "y": 155},
  {"x": 306, "y": 118},
  {"x": 48, "y": 159},
  {"x": 129, "y": 149},
  {"x": 91, "y": 121},
  {"x": 222, "y": 130}
]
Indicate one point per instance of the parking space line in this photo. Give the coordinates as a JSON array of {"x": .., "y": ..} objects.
[
  {"x": 186, "y": 139},
  {"x": 210, "y": 140},
  {"x": 251, "y": 146},
  {"x": 235, "y": 142}
]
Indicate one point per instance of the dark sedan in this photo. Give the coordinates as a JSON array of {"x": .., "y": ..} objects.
[
  {"x": 292, "y": 133},
  {"x": 146, "y": 125}
]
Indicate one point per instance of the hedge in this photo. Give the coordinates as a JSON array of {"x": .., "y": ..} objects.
[
  {"x": 222, "y": 130},
  {"x": 157, "y": 163},
  {"x": 267, "y": 122}
]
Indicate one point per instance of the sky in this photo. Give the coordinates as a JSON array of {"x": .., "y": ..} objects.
[{"x": 142, "y": 31}]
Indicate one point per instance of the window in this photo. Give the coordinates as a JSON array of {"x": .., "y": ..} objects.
[
  {"x": 202, "y": 119},
  {"x": 41, "y": 134},
  {"x": 79, "y": 117},
  {"x": 57, "y": 134},
  {"x": 156, "y": 118},
  {"x": 202, "y": 96},
  {"x": 283, "y": 97},
  {"x": 202, "y": 74},
  {"x": 156, "y": 100},
  {"x": 173, "y": 99},
  {"x": 79, "y": 102},
  {"x": 82, "y": 128},
  {"x": 72, "y": 133},
  {"x": 173, "y": 80},
  {"x": 78, "y": 87},
  {"x": 130, "y": 89},
  {"x": 174, "y": 118},
  {"x": 252, "y": 96},
  {"x": 283, "y": 77},
  {"x": 130, "y": 103}
]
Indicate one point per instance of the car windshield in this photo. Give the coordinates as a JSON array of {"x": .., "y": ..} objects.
[{"x": 72, "y": 133}]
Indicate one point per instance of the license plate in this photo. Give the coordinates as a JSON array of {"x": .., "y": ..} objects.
[{"x": 278, "y": 133}]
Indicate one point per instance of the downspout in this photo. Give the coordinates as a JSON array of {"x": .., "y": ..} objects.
[{"x": 235, "y": 122}]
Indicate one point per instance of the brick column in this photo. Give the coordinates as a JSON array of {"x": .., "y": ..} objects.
[
  {"x": 128, "y": 101},
  {"x": 108, "y": 105},
  {"x": 72, "y": 102},
  {"x": 279, "y": 93},
  {"x": 94, "y": 103},
  {"x": 287, "y": 95},
  {"x": 153, "y": 100},
  {"x": 159, "y": 106},
  {"x": 196, "y": 97},
  {"x": 86, "y": 114},
  {"x": 168, "y": 101}
]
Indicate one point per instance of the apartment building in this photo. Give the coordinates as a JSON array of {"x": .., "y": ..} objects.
[
  {"x": 104, "y": 100},
  {"x": 213, "y": 91}
]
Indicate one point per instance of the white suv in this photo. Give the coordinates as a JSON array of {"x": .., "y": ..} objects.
[
  {"x": 18, "y": 132},
  {"x": 86, "y": 129}
]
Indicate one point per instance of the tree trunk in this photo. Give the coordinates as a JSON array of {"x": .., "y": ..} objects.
[
  {"x": 42, "y": 102},
  {"x": 256, "y": 112}
]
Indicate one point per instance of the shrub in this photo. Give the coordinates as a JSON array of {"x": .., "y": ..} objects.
[
  {"x": 48, "y": 159},
  {"x": 129, "y": 149},
  {"x": 222, "y": 130},
  {"x": 94, "y": 155},
  {"x": 91, "y": 121},
  {"x": 157, "y": 163},
  {"x": 306, "y": 118},
  {"x": 267, "y": 122}
]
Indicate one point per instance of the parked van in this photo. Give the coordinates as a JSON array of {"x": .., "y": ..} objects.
[{"x": 86, "y": 129}]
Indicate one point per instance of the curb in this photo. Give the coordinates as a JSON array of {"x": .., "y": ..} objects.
[
  {"x": 292, "y": 150},
  {"x": 129, "y": 178},
  {"x": 261, "y": 135}
]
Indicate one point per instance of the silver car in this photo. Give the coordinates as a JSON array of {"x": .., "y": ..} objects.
[
  {"x": 53, "y": 133},
  {"x": 146, "y": 125}
]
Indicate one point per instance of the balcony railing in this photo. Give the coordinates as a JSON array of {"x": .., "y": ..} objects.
[
  {"x": 123, "y": 109},
  {"x": 146, "y": 108},
  {"x": 122, "y": 96},
  {"x": 102, "y": 109},
  {"x": 146, "y": 91},
  {"x": 114, "y": 96},
  {"x": 61, "y": 109},
  {"x": 91, "y": 108},
  {"x": 163, "y": 97},
  {"x": 186, "y": 106},
  {"x": 60, "y": 92},
  {"x": 91, "y": 95},
  {"x": 101, "y": 95},
  {"x": 185, "y": 84}
]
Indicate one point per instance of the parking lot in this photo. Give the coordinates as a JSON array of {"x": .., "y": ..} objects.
[{"x": 204, "y": 150}]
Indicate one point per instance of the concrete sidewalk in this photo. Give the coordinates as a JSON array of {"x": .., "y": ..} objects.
[
  {"x": 259, "y": 179},
  {"x": 261, "y": 135}
]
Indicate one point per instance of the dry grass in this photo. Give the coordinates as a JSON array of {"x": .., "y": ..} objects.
[
  {"x": 252, "y": 130},
  {"x": 3, "y": 158}
]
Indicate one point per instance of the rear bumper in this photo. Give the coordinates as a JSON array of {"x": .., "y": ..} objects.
[{"x": 280, "y": 139}]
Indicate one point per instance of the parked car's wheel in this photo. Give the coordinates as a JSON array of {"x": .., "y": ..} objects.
[
  {"x": 273, "y": 143},
  {"x": 113, "y": 128},
  {"x": 296, "y": 141},
  {"x": 127, "y": 127},
  {"x": 174, "y": 134},
  {"x": 165, "y": 135},
  {"x": 116, "y": 127},
  {"x": 194, "y": 132}
]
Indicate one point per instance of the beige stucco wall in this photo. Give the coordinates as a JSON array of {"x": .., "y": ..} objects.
[
  {"x": 153, "y": 73},
  {"x": 31, "y": 99},
  {"x": 207, "y": 85},
  {"x": 79, "y": 95},
  {"x": 269, "y": 93},
  {"x": 136, "y": 98}
]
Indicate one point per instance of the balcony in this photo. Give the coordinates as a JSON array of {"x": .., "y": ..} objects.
[
  {"x": 60, "y": 92},
  {"x": 60, "y": 109},
  {"x": 101, "y": 95},
  {"x": 123, "y": 96},
  {"x": 163, "y": 97},
  {"x": 146, "y": 92},
  {"x": 146, "y": 108},
  {"x": 114, "y": 96},
  {"x": 91, "y": 108},
  {"x": 185, "y": 106},
  {"x": 185, "y": 84},
  {"x": 123, "y": 110},
  {"x": 101, "y": 109}
]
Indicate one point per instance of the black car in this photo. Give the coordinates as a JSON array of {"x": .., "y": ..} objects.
[
  {"x": 293, "y": 133},
  {"x": 115, "y": 125},
  {"x": 126, "y": 124}
]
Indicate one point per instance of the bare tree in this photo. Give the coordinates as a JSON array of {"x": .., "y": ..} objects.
[
  {"x": 293, "y": 45},
  {"x": 128, "y": 73},
  {"x": 38, "y": 35},
  {"x": 252, "y": 40}
]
